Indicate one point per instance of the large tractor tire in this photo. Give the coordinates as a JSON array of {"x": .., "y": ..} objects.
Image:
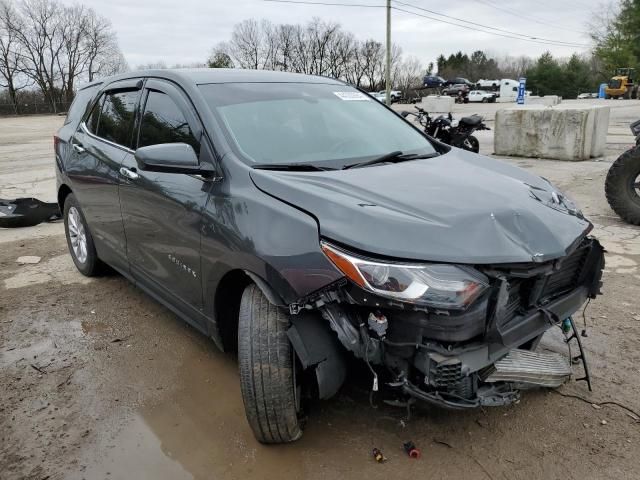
[
  {"x": 270, "y": 386},
  {"x": 622, "y": 186}
]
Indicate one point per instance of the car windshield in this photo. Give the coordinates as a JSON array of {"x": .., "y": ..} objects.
[{"x": 329, "y": 124}]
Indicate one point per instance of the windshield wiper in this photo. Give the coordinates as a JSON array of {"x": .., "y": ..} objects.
[
  {"x": 291, "y": 167},
  {"x": 393, "y": 157}
]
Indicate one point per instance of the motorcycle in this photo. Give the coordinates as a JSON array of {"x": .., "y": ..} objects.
[
  {"x": 444, "y": 128},
  {"x": 622, "y": 186}
]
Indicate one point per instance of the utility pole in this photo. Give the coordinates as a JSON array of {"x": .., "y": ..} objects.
[{"x": 387, "y": 76}]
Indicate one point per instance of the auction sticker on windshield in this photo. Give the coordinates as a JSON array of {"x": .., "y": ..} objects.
[{"x": 350, "y": 96}]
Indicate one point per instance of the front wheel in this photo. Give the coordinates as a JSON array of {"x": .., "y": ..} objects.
[
  {"x": 268, "y": 378},
  {"x": 622, "y": 186},
  {"x": 471, "y": 144}
]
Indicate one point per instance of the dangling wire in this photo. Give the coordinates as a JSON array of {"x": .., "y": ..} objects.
[{"x": 374, "y": 388}]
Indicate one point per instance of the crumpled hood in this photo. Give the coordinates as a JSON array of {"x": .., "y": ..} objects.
[{"x": 458, "y": 207}]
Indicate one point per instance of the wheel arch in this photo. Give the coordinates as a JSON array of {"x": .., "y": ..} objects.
[
  {"x": 63, "y": 192},
  {"x": 226, "y": 304}
]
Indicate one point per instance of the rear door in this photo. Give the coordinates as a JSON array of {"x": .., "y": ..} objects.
[
  {"x": 162, "y": 212},
  {"x": 98, "y": 148}
]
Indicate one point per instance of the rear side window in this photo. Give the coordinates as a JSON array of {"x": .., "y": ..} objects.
[
  {"x": 164, "y": 122},
  {"x": 80, "y": 104},
  {"x": 94, "y": 116},
  {"x": 116, "y": 118}
]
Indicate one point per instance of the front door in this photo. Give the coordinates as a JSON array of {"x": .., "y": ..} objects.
[
  {"x": 162, "y": 212},
  {"x": 98, "y": 148}
]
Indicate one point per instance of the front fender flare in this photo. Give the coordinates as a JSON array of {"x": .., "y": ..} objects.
[{"x": 266, "y": 289}]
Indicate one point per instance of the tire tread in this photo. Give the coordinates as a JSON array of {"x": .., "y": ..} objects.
[
  {"x": 266, "y": 369},
  {"x": 616, "y": 187}
]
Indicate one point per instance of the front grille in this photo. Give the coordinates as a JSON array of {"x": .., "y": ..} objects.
[
  {"x": 566, "y": 277},
  {"x": 447, "y": 374},
  {"x": 514, "y": 302}
]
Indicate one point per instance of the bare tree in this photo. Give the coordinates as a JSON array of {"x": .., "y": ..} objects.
[
  {"x": 103, "y": 55},
  {"x": 247, "y": 44},
  {"x": 40, "y": 34},
  {"x": 10, "y": 52},
  {"x": 409, "y": 76}
]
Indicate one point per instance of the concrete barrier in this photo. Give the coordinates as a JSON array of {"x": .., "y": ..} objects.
[
  {"x": 437, "y": 103},
  {"x": 600, "y": 120},
  {"x": 547, "y": 100},
  {"x": 562, "y": 132}
]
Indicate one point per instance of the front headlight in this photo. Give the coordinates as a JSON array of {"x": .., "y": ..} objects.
[{"x": 435, "y": 285}]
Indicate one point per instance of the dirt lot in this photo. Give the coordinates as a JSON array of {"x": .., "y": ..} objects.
[{"x": 100, "y": 382}]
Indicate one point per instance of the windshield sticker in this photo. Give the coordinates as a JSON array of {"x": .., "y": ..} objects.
[{"x": 351, "y": 96}]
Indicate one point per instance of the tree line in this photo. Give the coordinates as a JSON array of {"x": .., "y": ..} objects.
[
  {"x": 48, "y": 48},
  {"x": 318, "y": 48},
  {"x": 324, "y": 48},
  {"x": 51, "y": 47}
]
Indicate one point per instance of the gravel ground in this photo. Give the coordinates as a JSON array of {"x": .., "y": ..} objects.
[{"x": 100, "y": 382}]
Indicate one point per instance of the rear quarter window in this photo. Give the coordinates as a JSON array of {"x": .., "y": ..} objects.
[{"x": 80, "y": 104}]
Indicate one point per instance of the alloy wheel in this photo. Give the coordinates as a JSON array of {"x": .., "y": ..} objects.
[{"x": 77, "y": 235}]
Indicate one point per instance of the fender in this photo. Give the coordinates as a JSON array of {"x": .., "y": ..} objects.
[{"x": 268, "y": 292}]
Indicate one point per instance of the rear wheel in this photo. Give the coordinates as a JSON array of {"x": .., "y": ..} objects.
[
  {"x": 471, "y": 144},
  {"x": 79, "y": 239},
  {"x": 270, "y": 387},
  {"x": 622, "y": 186}
]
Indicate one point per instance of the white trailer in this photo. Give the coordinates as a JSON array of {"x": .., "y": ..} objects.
[{"x": 508, "y": 90}]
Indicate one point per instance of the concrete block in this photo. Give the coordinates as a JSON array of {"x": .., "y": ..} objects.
[
  {"x": 600, "y": 120},
  {"x": 548, "y": 100},
  {"x": 437, "y": 103},
  {"x": 562, "y": 132}
]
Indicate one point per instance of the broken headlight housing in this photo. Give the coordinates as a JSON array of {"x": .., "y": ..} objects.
[{"x": 436, "y": 285}]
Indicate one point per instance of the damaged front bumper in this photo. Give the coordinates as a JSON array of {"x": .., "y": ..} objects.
[{"x": 482, "y": 356}]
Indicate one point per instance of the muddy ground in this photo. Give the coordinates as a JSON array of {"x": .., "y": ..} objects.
[{"x": 98, "y": 381}]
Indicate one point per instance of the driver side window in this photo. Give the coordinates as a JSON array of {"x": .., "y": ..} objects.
[{"x": 164, "y": 122}]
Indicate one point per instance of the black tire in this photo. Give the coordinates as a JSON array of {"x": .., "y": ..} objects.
[
  {"x": 471, "y": 144},
  {"x": 91, "y": 265},
  {"x": 607, "y": 96},
  {"x": 267, "y": 370},
  {"x": 485, "y": 100},
  {"x": 623, "y": 198}
]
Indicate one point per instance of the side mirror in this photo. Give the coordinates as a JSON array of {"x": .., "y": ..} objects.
[{"x": 168, "y": 158}]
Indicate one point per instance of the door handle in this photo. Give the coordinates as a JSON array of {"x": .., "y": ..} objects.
[
  {"x": 78, "y": 148},
  {"x": 130, "y": 174}
]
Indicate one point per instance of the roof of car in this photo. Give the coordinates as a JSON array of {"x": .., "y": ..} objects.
[{"x": 201, "y": 76}]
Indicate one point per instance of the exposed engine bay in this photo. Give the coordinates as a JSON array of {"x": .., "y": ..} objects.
[{"x": 475, "y": 346}]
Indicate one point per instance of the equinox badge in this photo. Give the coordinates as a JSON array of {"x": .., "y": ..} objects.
[{"x": 182, "y": 265}]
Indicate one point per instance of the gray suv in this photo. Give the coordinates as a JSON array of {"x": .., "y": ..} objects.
[{"x": 300, "y": 223}]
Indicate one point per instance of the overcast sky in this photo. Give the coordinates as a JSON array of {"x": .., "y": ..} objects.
[{"x": 184, "y": 31}]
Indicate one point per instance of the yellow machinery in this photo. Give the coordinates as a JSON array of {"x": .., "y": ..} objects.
[{"x": 622, "y": 85}]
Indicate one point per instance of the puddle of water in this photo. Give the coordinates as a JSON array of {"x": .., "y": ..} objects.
[
  {"x": 135, "y": 453},
  {"x": 200, "y": 431}
]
